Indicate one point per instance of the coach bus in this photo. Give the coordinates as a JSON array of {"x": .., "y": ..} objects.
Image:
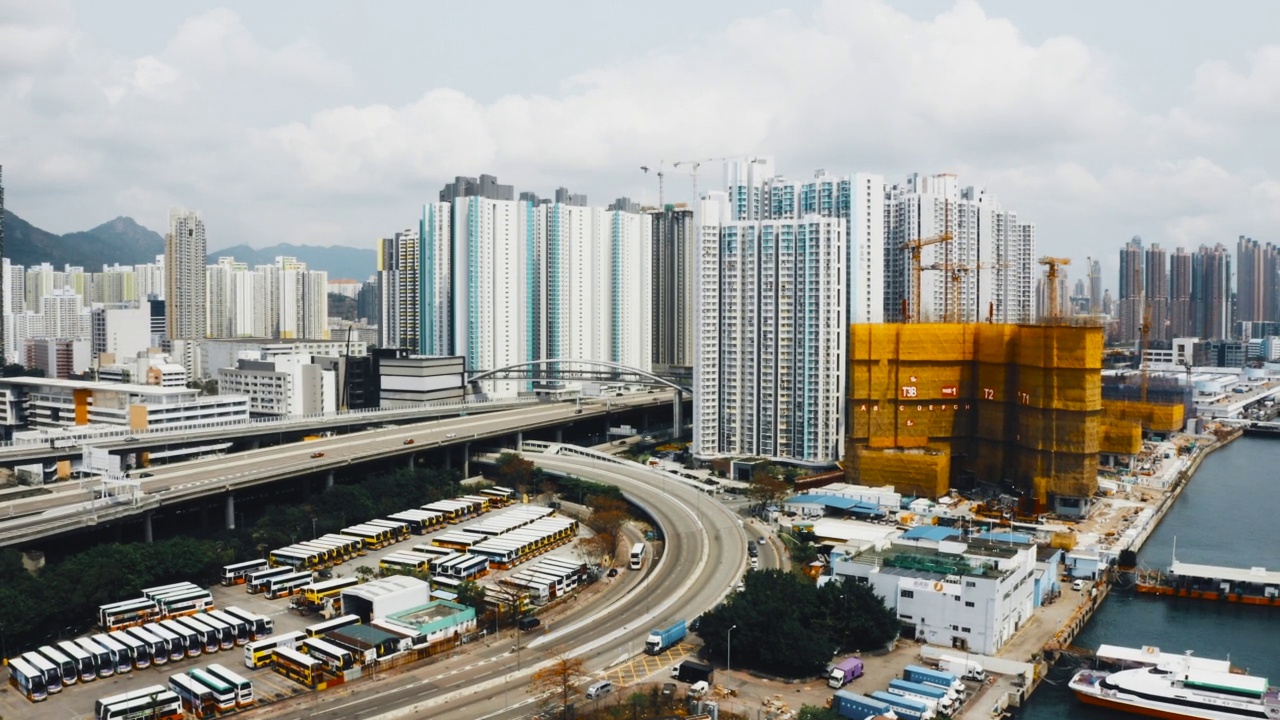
[
  {"x": 176, "y": 643},
  {"x": 118, "y": 616},
  {"x": 224, "y": 696},
  {"x": 637, "y": 555},
  {"x": 207, "y": 636},
  {"x": 67, "y": 669},
  {"x": 139, "y": 652},
  {"x": 157, "y": 648},
  {"x": 258, "y": 654},
  {"x": 298, "y": 667},
  {"x": 244, "y": 688},
  {"x": 237, "y": 573},
  {"x": 52, "y": 676},
  {"x": 84, "y": 662},
  {"x": 226, "y": 633},
  {"x": 120, "y": 653},
  {"x": 103, "y": 661},
  {"x": 28, "y": 679},
  {"x": 240, "y": 630},
  {"x": 260, "y": 626}
]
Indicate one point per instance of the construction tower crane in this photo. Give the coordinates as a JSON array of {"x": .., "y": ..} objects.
[
  {"x": 913, "y": 312},
  {"x": 693, "y": 166},
  {"x": 660, "y": 175},
  {"x": 1144, "y": 333},
  {"x": 1053, "y": 264},
  {"x": 958, "y": 272}
]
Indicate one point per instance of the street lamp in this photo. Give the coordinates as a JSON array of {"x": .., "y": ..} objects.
[{"x": 729, "y": 653}]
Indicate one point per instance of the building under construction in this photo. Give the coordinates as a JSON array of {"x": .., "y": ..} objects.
[{"x": 1017, "y": 406}]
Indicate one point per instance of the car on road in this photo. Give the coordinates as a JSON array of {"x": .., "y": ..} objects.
[
  {"x": 315, "y": 455},
  {"x": 131, "y": 439},
  {"x": 613, "y": 572},
  {"x": 668, "y": 689},
  {"x": 1077, "y": 585},
  {"x": 451, "y": 435},
  {"x": 760, "y": 540},
  {"x": 408, "y": 441}
]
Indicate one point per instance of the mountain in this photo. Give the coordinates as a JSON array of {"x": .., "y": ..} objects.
[
  {"x": 120, "y": 241},
  {"x": 340, "y": 261}
]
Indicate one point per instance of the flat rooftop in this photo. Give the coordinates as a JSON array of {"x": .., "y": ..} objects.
[{"x": 1261, "y": 576}]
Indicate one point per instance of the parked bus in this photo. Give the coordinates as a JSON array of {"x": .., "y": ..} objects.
[
  {"x": 208, "y": 635},
  {"x": 320, "y": 628},
  {"x": 197, "y": 699},
  {"x": 192, "y": 642},
  {"x": 399, "y": 529},
  {"x": 257, "y": 581},
  {"x": 52, "y": 676},
  {"x": 637, "y": 555},
  {"x": 239, "y": 628},
  {"x": 298, "y": 667},
  {"x": 371, "y": 538},
  {"x": 120, "y": 615},
  {"x": 260, "y": 626},
  {"x": 406, "y": 561},
  {"x": 498, "y": 496},
  {"x": 121, "y": 655},
  {"x": 103, "y": 660},
  {"x": 237, "y": 573},
  {"x": 286, "y": 585},
  {"x": 67, "y": 669},
  {"x": 185, "y": 603},
  {"x": 447, "y": 584},
  {"x": 296, "y": 558},
  {"x": 139, "y": 652},
  {"x": 147, "y": 702},
  {"x": 337, "y": 658},
  {"x": 160, "y": 590},
  {"x": 224, "y": 696},
  {"x": 226, "y": 633},
  {"x": 258, "y": 654},
  {"x": 28, "y": 679},
  {"x": 159, "y": 649},
  {"x": 244, "y": 688},
  {"x": 84, "y": 662},
  {"x": 176, "y": 643},
  {"x": 352, "y": 546},
  {"x": 316, "y": 593},
  {"x": 420, "y": 522}
]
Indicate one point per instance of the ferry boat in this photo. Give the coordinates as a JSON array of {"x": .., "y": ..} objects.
[{"x": 1179, "y": 686}]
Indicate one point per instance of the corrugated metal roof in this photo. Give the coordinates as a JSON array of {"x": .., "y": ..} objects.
[{"x": 936, "y": 533}]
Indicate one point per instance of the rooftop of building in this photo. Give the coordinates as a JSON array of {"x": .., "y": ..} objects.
[
  {"x": 913, "y": 561},
  {"x": 386, "y": 586},
  {"x": 99, "y": 385},
  {"x": 363, "y": 636},
  {"x": 936, "y": 533},
  {"x": 837, "y": 502}
]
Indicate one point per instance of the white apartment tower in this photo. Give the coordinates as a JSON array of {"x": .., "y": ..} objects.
[{"x": 185, "y": 295}]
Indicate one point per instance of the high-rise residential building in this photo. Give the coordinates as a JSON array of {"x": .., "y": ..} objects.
[
  {"x": 1156, "y": 293},
  {"x": 226, "y": 298},
  {"x": 987, "y": 270},
  {"x": 486, "y": 186},
  {"x": 1095, "y": 287},
  {"x": 1181, "y": 318},
  {"x": 674, "y": 258},
  {"x": 564, "y": 197},
  {"x": 185, "y": 294},
  {"x": 1108, "y": 305},
  {"x": 4, "y": 277},
  {"x": 399, "y": 278},
  {"x": 768, "y": 370},
  {"x": 1256, "y": 285},
  {"x": 1211, "y": 292},
  {"x": 1131, "y": 289},
  {"x": 121, "y": 331},
  {"x": 303, "y": 300}
]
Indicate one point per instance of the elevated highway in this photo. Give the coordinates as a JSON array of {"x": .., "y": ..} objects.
[{"x": 76, "y": 507}]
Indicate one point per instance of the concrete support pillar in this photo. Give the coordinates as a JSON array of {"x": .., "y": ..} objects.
[
  {"x": 328, "y": 480},
  {"x": 677, "y": 419},
  {"x": 254, "y": 444},
  {"x": 146, "y": 527},
  {"x": 519, "y": 440},
  {"x": 466, "y": 460},
  {"x": 448, "y": 459},
  {"x": 410, "y": 461},
  {"x": 231, "y": 511},
  {"x": 559, "y": 435}
]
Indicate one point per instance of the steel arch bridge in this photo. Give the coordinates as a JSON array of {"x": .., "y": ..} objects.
[{"x": 569, "y": 369}]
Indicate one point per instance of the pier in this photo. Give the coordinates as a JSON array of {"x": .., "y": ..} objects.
[{"x": 1251, "y": 586}]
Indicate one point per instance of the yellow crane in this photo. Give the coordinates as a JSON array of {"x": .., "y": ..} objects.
[
  {"x": 913, "y": 311},
  {"x": 1053, "y": 263},
  {"x": 958, "y": 271},
  {"x": 1144, "y": 332}
]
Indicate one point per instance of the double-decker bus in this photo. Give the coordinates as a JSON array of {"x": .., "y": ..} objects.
[
  {"x": 373, "y": 538},
  {"x": 399, "y": 529},
  {"x": 296, "y": 558},
  {"x": 637, "y": 555},
  {"x": 127, "y": 613},
  {"x": 176, "y": 643},
  {"x": 337, "y": 658},
  {"x": 28, "y": 679},
  {"x": 448, "y": 584},
  {"x": 498, "y": 496},
  {"x": 420, "y": 522},
  {"x": 67, "y": 668},
  {"x": 153, "y": 701},
  {"x": 298, "y": 667},
  {"x": 187, "y": 602},
  {"x": 244, "y": 688},
  {"x": 161, "y": 590},
  {"x": 190, "y": 640},
  {"x": 207, "y": 636},
  {"x": 286, "y": 585},
  {"x": 406, "y": 561},
  {"x": 237, "y": 573},
  {"x": 240, "y": 630},
  {"x": 50, "y": 672},
  {"x": 197, "y": 699},
  {"x": 224, "y": 695},
  {"x": 257, "y": 581},
  {"x": 258, "y": 653},
  {"x": 317, "y": 593},
  {"x": 120, "y": 653},
  {"x": 139, "y": 652},
  {"x": 260, "y": 626},
  {"x": 348, "y": 547},
  {"x": 103, "y": 661},
  {"x": 156, "y": 647},
  {"x": 320, "y": 628},
  {"x": 86, "y": 667}
]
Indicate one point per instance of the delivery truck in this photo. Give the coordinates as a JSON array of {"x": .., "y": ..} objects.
[
  {"x": 905, "y": 707},
  {"x": 926, "y": 676},
  {"x": 859, "y": 707},
  {"x": 692, "y": 671},
  {"x": 662, "y": 639},
  {"x": 962, "y": 667},
  {"x": 944, "y": 700},
  {"x": 844, "y": 672}
]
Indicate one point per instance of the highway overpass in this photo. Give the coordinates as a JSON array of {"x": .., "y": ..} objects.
[{"x": 76, "y": 507}]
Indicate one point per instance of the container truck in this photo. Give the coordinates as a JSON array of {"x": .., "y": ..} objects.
[
  {"x": 944, "y": 699},
  {"x": 905, "y": 707},
  {"x": 961, "y": 667},
  {"x": 661, "y": 639},
  {"x": 859, "y": 707},
  {"x": 925, "y": 676},
  {"x": 844, "y": 672},
  {"x": 692, "y": 671}
]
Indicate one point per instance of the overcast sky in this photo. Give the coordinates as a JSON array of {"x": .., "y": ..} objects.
[{"x": 332, "y": 122}]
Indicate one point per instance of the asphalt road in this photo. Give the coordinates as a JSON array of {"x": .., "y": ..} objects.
[
  {"x": 704, "y": 557},
  {"x": 19, "y": 519}
]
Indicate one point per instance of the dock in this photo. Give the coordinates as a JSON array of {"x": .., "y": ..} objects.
[{"x": 1251, "y": 586}]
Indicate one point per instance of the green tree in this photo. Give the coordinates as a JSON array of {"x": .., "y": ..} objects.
[
  {"x": 514, "y": 471},
  {"x": 856, "y": 617},
  {"x": 813, "y": 712},
  {"x": 772, "y": 623},
  {"x": 472, "y": 594}
]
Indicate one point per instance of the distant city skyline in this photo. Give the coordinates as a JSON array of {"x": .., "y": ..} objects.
[{"x": 304, "y": 132}]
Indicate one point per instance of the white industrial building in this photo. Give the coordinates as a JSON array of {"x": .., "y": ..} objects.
[
  {"x": 120, "y": 331},
  {"x": 386, "y": 596},
  {"x": 972, "y": 595},
  {"x": 49, "y": 402},
  {"x": 281, "y": 386},
  {"x": 145, "y": 368},
  {"x": 220, "y": 353}
]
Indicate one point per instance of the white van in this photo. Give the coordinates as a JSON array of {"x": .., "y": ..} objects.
[{"x": 600, "y": 689}]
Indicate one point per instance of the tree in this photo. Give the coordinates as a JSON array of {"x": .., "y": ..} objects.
[
  {"x": 593, "y": 550},
  {"x": 510, "y": 598},
  {"x": 608, "y": 514},
  {"x": 472, "y": 594},
  {"x": 813, "y": 712},
  {"x": 514, "y": 471},
  {"x": 559, "y": 678},
  {"x": 365, "y": 573},
  {"x": 765, "y": 489},
  {"x": 855, "y": 617}
]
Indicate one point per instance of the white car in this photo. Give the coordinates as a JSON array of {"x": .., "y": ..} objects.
[{"x": 451, "y": 435}]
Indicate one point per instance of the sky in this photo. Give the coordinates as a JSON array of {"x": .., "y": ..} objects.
[{"x": 327, "y": 123}]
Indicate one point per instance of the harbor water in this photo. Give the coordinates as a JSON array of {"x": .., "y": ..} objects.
[{"x": 1229, "y": 514}]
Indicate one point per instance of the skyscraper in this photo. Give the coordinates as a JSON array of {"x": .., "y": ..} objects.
[
  {"x": 184, "y": 252},
  {"x": 1181, "y": 318},
  {"x": 400, "y": 274},
  {"x": 673, "y": 257},
  {"x": 1211, "y": 292},
  {"x": 1131, "y": 289},
  {"x": 1256, "y": 280},
  {"x": 1157, "y": 292},
  {"x": 486, "y": 186},
  {"x": 1095, "y": 287}
]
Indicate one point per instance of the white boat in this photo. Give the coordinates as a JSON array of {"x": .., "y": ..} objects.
[{"x": 1178, "y": 688}]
